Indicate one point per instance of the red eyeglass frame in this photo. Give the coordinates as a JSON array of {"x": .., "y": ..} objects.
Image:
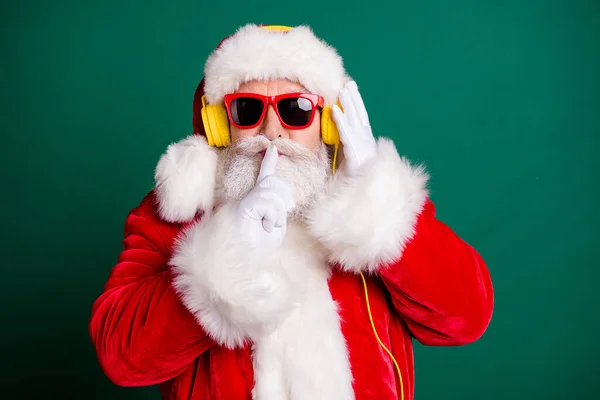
[{"x": 315, "y": 99}]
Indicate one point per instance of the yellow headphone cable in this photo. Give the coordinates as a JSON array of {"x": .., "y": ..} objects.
[{"x": 379, "y": 340}]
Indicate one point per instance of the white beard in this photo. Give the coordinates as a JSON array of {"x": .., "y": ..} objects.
[{"x": 305, "y": 170}]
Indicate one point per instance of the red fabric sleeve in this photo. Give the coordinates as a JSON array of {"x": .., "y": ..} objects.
[
  {"x": 142, "y": 333},
  {"x": 440, "y": 286}
]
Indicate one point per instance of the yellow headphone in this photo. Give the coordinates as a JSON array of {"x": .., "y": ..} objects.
[{"x": 216, "y": 127}]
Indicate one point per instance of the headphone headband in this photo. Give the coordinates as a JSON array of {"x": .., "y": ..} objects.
[{"x": 277, "y": 28}]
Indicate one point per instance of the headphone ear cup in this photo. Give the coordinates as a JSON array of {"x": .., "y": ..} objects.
[
  {"x": 329, "y": 131},
  {"x": 222, "y": 125},
  {"x": 207, "y": 130},
  {"x": 216, "y": 124}
]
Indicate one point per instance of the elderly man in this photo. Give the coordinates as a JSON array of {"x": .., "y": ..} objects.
[{"x": 263, "y": 266}]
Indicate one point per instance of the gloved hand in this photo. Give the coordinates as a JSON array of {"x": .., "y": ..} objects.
[
  {"x": 263, "y": 211},
  {"x": 353, "y": 124}
]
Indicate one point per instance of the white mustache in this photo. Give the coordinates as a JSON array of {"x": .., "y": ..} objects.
[{"x": 251, "y": 146}]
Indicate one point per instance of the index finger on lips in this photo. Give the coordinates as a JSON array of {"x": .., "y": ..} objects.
[{"x": 268, "y": 164}]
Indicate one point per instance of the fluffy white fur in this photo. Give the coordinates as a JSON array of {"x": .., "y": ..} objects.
[
  {"x": 281, "y": 302},
  {"x": 254, "y": 53},
  {"x": 235, "y": 293},
  {"x": 365, "y": 220},
  {"x": 185, "y": 179}
]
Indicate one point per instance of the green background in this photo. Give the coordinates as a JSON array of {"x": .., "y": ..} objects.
[{"x": 500, "y": 99}]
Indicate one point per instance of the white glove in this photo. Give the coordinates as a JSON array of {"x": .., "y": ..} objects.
[
  {"x": 263, "y": 211},
  {"x": 359, "y": 144}
]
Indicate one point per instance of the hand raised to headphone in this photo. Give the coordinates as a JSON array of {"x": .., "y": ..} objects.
[
  {"x": 353, "y": 124},
  {"x": 264, "y": 209}
]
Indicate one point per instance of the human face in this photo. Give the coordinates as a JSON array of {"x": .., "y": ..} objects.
[{"x": 271, "y": 126}]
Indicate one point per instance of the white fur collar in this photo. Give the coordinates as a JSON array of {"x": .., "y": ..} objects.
[{"x": 363, "y": 220}]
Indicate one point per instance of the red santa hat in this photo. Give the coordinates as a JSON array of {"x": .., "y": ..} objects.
[{"x": 255, "y": 52}]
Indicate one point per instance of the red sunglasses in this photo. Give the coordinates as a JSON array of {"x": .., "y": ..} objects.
[{"x": 294, "y": 110}]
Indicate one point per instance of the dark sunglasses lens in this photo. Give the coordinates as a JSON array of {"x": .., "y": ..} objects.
[
  {"x": 295, "y": 111},
  {"x": 246, "y": 111}
]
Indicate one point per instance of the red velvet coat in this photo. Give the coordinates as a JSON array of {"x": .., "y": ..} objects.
[{"x": 424, "y": 282}]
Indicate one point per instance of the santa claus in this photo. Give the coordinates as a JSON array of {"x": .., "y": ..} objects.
[{"x": 263, "y": 266}]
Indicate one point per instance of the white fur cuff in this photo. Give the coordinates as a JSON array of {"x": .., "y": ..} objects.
[
  {"x": 185, "y": 179},
  {"x": 366, "y": 220},
  {"x": 234, "y": 293}
]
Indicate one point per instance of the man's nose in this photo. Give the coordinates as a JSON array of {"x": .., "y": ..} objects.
[{"x": 272, "y": 127}]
